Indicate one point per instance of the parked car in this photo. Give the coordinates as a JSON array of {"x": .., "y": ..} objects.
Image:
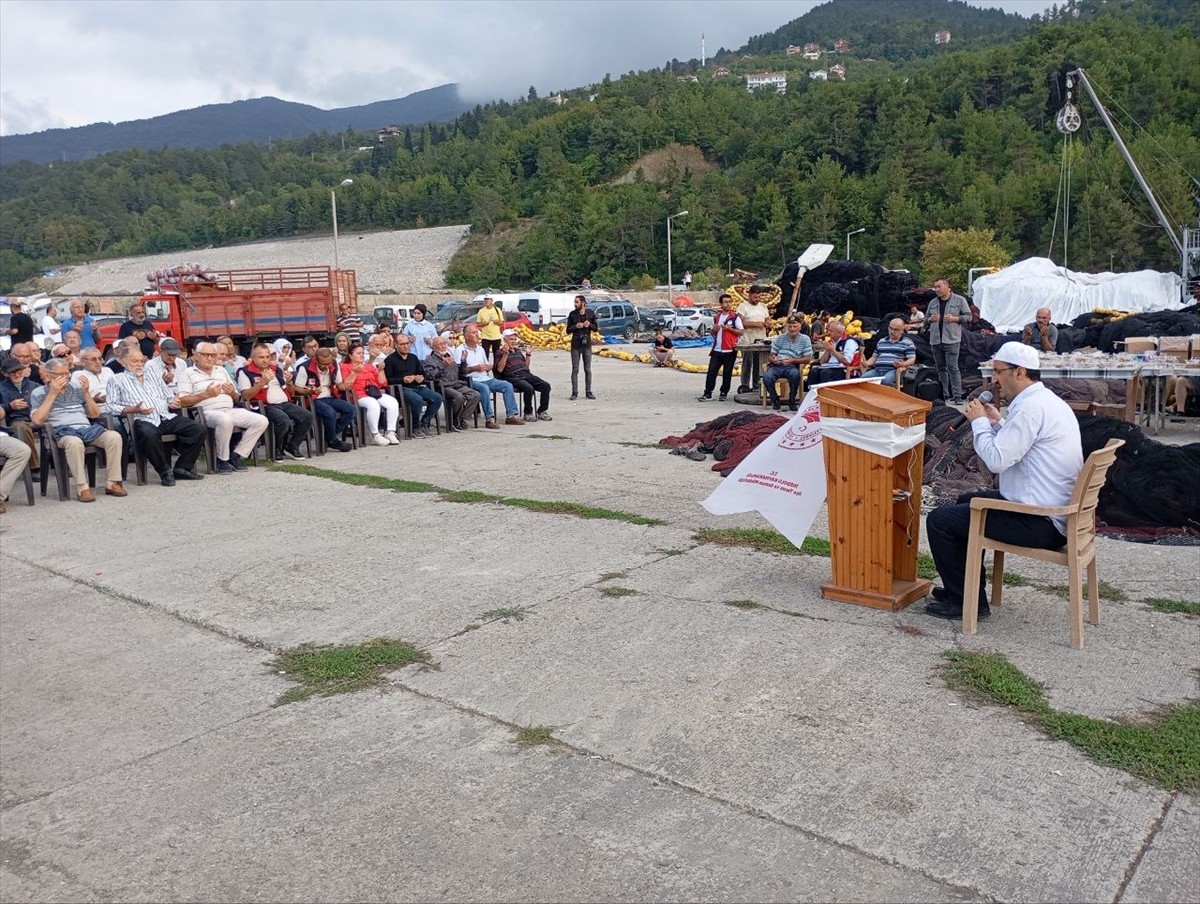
[
  {"x": 454, "y": 317},
  {"x": 698, "y": 319},
  {"x": 617, "y": 318},
  {"x": 654, "y": 319},
  {"x": 395, "y": 314}
]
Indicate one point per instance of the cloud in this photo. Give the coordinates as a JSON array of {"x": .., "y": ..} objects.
[{"x": 75, "y": 62}]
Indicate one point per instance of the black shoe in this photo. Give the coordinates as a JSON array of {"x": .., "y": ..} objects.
[
  {"x": 724, "y": 397},
  {"x": 590, "y": 396},
  {"x": 792, "y": 408},
  {"x": 743, "y": 388},
  {"x": 185, "y": 474},
  {"x": 950, "y": 612},
  {"x": 574, "y": 396},
  {"x": 776, "y": 406},
  {"x": 224, "y": 467},
  {"x": 703, "y": 398},
  {"x": 343, "y": 446},
  {"x": 239, "y": 463},
  {"x": 461, "y": 425},
  {"x": 294, "y": 453},
  {"x": 168, "y": 479},
  {"x": 939, "y": 594}
]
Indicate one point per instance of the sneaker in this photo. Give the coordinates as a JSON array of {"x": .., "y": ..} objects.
[
  {"x": 461, "y": 425},
  {"x": 724, "y": 397},
  {"x": 342, "y": 446},
  {"x": 529, "y": 416},
  {"x": 238, "y": 463},
  {"x": 224, "y": 467},
  {"x": 590, "y": 396},
  {"x": 959, "y": 400},
  {"x": 379, "y": 439},
  {"x": 294, "y": 453},
  {"x": 544, "y": 416},
  {"x": 392, "y": 438},
  {"x": 425, "y": 431},
  {"x": 574, "y": 396},
  {"x": 514, "y": 421},
  {"x": 704, "y": 398}
]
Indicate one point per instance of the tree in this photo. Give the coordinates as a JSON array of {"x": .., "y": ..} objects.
[{"x": 950, "y": 253}]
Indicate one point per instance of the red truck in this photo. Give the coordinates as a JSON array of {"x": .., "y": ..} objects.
[{"x": 191, "y": 304}]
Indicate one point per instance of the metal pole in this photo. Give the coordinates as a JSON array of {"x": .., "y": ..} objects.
[
  {"x": 333, "y": 202},
  {"x": 1137, "y": 174},
  {"x": 848, "y": 234},
  {"x": 670, "y": 282}
]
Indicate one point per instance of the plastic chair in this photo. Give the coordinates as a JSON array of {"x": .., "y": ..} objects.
[
  {"x": 53, "y": 457},
  {"x": 1079, "y": 553},
  {"x": 26, "y": 478},
  {"x": 139, "y": 458}
]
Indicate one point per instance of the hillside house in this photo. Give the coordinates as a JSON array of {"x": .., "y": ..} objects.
[
  {"x": 792, "y": 50},
  {"x": 776, "y": 80},
  {"x": 819, "y": 74},
  {"x": 942, "y": 37},
  {"x": 838, "y": 71},
  {"x": 390, "y": 132},
  {"x": 811, "y": 55},
  {"x": 812, "y": 47},
  {"x": 721, "y": 72},
  {"x": 557, "y": 99},
  {"x": 841, "y": 45},
  {"x": 686, "y": 78}
]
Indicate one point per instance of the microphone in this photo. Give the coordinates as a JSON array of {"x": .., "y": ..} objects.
[{"x": 986, "y": 397}]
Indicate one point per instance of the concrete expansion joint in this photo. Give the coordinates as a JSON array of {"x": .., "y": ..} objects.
[
  {"x": 755, "y": 812},
  {"x": 1151, "y": 834}
]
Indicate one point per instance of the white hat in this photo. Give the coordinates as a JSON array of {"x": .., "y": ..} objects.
[
  {"x": 509, "y": 333},
  {"x": 1018, "y": 354}
]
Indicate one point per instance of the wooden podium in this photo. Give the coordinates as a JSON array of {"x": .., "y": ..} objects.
[{"x": 874, "y": 501}]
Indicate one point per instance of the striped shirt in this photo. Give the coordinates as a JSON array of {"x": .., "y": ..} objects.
[
  {"x": 890, "y": 352},
  {"x": 125, "y": 390}
]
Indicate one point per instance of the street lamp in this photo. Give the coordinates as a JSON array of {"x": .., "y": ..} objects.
[
  {"x": 333, "y": 204},
  {"x": 670, "y": 281},
  {"x": 848, "y": 234}
]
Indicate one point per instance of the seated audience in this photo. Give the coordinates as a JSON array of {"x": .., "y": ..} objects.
[
  {"x": 263, "y": 382},
  {"x": 16, "y": 458},
  {"x": 512, "y": 364},
  {"x": 473, "y": 360},
  {"x": 893, "y": 353},
  {"x": 370, "y": 393},
  {"x": 97, "y": 375},
  {"x": 1041, "y": 334},
  {"x": 442, "y": 372},
  {"x": 319, "y": 377},
  {"x": 169, "y": 363},
  {"x": 66, "y": 410},
  {"x": 207, "y": 386},
  {"x": 790, "y": 352},
  {"x": 403, "y": 369},
  {"x": 16, "y": 390},
  {"x": 836, "y": 353}
]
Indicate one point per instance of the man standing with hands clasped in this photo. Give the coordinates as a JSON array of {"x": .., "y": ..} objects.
[
  {"x": 1038, "y": 454},
  {"x": 580, "y": 323},
  {"x": 946, "y": 315}
]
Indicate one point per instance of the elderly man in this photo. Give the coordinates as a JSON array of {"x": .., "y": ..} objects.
[
  {"x": 893, "y": 353},
  {"x": 473, "y": 361},
  {"x": 1041, "y": 334},
  {"x": 155, "y": 414},
  {"x": 403, "y": 369},
  {"x": 30, "y": 355},
  {"x": 67, "y": 411},
  {"x": 790, "y": 352},
  {"x": 92, "y": 369},
  {"x": 168, "y": 365},
  {"x": 140, "y": 329},
  {"x": 442, "y": 372},
  {"x": 836, "y": 352},
  {"x": 16, "y": 457},
  {"x": 512, "y": 364},
  {"x": 946, "y": 315},
  {"x": 81, "y": 322},
  {"x": 16, "y": 391},
  {"x": 208, "y": 387},
  {"x": 318, "y": 378},
  {"x": 50, "y": 327},
  {"x": 377, "y": 351},
  {"x": 1038, "y": 454},
  {"x": 263, "y": 381}
]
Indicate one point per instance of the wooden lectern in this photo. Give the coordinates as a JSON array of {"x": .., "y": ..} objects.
[{"x": 874, "y": 501}]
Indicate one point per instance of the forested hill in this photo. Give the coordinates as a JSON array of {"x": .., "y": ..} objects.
[
  {"x": 212, "y": 125},
  {"x": 581, "y": 184},
  {"x": 892, "y": 29}
]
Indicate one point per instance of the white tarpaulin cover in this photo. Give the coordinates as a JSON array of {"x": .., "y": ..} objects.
[{"x": 1010, "y": 298}]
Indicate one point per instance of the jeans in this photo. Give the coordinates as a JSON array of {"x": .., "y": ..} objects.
[
  {"x": 486, "y": 387},
  {"x": 189, "y": 440},
  {"x": 948, "y": 527},
  {"x": 336, "y": 417},
  {"x": 720, "y": 361},
  {"x": 945, "y": 356},
  {"x": 789, "y": 372},
  {"x": 289, "y": 422},
  {"x": 583, "y": 354},
  {"x": 529, "y": 385},
  {"x": 888, "y": 374},
  {"x": 423, "y": 402}
]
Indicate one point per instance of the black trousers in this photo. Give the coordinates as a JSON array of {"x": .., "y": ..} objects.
[
  {"x": 189, "y": 440},
  {"x": 290, "y": 423},
  {"x": 949, "y": 526},
  {"x": 491, "y": 346},
  {"x": 527, "y": 386},
  {"x": 720, "y": 361}
]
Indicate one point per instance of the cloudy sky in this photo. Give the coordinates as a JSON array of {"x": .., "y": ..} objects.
[{"x": 74, "y": 62}]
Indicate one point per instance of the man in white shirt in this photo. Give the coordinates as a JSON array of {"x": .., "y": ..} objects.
[
  {"x": 1037, "y": 451},
  {"x": 473, "y": 361},
  {"x": 207, "y": 386},
  {"x": 754, "y": 313},
  {"x": 50, "y": 326},
  {"x": 836, "y": 352},
  {"x": 168, "y": 365},
  {"x": 92, "y": 370}
]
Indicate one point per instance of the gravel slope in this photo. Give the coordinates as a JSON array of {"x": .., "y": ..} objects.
[{"x": 403, "y": 261}]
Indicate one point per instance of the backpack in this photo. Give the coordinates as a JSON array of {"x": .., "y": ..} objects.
[{"x": 922, "y": 382}]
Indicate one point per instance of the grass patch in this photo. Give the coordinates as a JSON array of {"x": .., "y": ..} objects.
[
  {"x": 1105, "y": 590},
  {"x": 545, "y": 436},
  {"x": 633, "y": 445},
  {"x": 763, "y": 539},
  {"x": 925, "y": 567},
  {"x": 611, "y": 575},
  {"x": 1184, "y": 607},
  {"x": 617, "y": 591},
  {"x": 534, "y": 736},
  {"x": 516, "y": 613},
  {"x": 470, "y": 496},
  {"x": 1011, "y": 579},
  {"x": 1162, "y": 748},
  {"x": 338, "y": 670},
  {"x": 579, "y": 511},
  {"x": 742, "y": 604}
]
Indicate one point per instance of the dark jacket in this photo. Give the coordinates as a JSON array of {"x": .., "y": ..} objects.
[{"x": 581, "y": 336}]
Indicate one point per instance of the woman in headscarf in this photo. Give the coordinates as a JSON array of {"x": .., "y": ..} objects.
[{"x": 341, "y": 346}]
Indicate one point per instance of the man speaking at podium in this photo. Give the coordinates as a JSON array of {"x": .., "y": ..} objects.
[{"x": 1038, "y": 454}]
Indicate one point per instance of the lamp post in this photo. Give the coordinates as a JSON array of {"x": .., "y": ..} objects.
[
  {"x": 848, "y": 234},
  {"x": 670, "y": 280},
  {"x": 333, "y": 204}
]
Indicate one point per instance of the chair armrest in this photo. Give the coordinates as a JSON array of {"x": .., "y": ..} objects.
[{"x": 1004, "y": 505}]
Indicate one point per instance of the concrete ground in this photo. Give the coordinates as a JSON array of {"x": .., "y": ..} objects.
[{"x": 805, "y": 750}]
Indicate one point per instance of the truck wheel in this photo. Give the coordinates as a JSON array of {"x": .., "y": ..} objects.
[{"x": 630, "y": 332}]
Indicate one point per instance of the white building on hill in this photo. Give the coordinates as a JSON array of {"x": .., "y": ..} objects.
[{"x": 776, "y": 80}]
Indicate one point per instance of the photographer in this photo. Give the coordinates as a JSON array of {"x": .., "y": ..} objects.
[{"x": 512, "y": 364}]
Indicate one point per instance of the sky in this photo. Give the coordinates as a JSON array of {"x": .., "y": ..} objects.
[{"x": 74, "y": 62}]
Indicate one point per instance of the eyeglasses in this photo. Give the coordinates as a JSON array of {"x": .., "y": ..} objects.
[{"x": 996, "y": 371}]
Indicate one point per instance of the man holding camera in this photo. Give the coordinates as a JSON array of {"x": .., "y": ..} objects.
[{"x": 512, "y": 364}]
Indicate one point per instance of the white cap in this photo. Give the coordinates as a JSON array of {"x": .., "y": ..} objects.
[
  {"x": 509, "y": 333},
  {"x": 1018, "y": 354}
]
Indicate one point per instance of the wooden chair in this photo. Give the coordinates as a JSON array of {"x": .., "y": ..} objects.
[{"x": 1079, "y": 553}]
